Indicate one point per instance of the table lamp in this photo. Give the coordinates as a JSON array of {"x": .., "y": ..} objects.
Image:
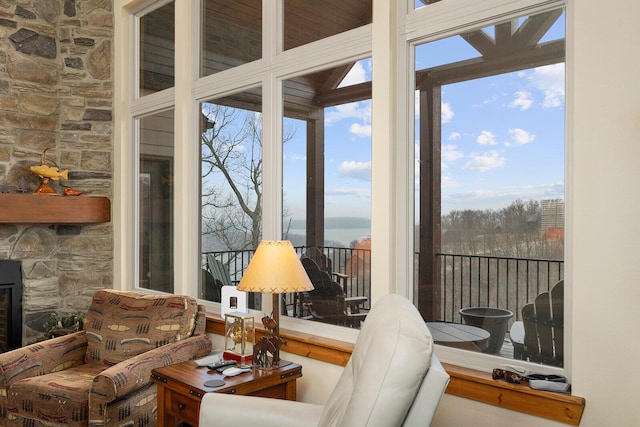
[{"x": 274, "y": 269}]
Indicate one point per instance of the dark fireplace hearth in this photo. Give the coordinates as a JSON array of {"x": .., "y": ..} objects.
[{"x": 10, "y": 305}]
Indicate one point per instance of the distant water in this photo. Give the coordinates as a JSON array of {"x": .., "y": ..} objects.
[{"x": 344, "y": 236}]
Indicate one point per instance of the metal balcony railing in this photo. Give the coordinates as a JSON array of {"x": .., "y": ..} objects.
[
  {"x": 489, "y": 281},
  {"x": 352, "y": 263},
  {"x": 466, "y": 280}
]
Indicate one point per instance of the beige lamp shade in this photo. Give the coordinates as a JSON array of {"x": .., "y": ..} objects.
[{"x": 275, "y": 269}]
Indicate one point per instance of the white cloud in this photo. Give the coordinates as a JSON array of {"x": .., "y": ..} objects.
[
  {"x": 486, "y": 138},
  {"x": 487, "y": 101},
  {"x": 523, "y": 100},
  {"x": 450, "y": 154},
  {"x": 358, "y": 170},
  {"x": 453, "y": 136},
  {"x": 448, "y": 182},
  {"x": 521, "y": 136},
  {"x": 446, "y": 112},
  {"x": 348, "y": 191},
  {"x": 354, "y": 110},
  {"x": 485, "y": 161},
  {"x": 550, "y": 80},
  {"x": 361, "y": 131}
]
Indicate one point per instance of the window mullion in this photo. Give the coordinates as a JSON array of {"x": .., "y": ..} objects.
[{"x": 186, "y": 182}]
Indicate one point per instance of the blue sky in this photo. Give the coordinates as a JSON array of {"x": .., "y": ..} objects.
[{"x": 502, "y": 139}]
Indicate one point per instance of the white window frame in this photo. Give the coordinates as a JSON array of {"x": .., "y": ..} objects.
[
  {"x": 436, "y": 21},
  {"x": 389, "y": 42}
]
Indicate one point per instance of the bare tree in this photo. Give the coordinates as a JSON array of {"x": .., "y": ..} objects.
[
  {"x": 513, "y": 231},
  {"x": 232, "y": 176}
]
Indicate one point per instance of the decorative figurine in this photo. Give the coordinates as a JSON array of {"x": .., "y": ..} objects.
[
  {"x": 71, "y": 192},
  {"x": 46, "y": 173},
  {"x": 269, "y": 343}
]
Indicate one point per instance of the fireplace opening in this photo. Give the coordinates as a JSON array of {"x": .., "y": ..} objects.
[{"x": 10, "y": 305}]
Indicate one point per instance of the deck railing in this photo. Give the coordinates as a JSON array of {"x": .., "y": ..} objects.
[
  {"x": 466, "y": 280},
  {"x": 489, "y": 281},
  {"x": 354, "y": 263}
]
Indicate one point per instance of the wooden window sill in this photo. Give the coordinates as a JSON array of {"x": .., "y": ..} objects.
[
  {"x": 478, "y": 385},
  {"x": 467, "y": 383}
]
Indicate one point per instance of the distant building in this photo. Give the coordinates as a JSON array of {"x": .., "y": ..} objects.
[{"x": 552, "y": 215}]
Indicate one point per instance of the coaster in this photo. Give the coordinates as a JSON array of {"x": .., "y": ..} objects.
[{"x": 214, "y": 383}]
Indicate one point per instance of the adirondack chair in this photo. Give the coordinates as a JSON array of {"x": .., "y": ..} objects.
[
  {"x": 218, "y": 271},
  {"x": 539, "y": 337},
  {"x": 327, "y": 302},
  {"x": 325, "y": 264},
  {"x": 212, "y": 290},
  {"x": 214, "y": 278}
]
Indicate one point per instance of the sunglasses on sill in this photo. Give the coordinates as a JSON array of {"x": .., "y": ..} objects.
[
  {"x": 515, "y": 378},
  {"x": 509, "y": 376}
]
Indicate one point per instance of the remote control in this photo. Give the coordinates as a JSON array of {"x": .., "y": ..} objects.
[
  {"x": 221, "y": 363},
  {"x": 207, "y": 360}
]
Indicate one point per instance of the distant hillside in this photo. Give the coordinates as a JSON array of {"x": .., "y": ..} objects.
[{"x": 337, "y": 222}]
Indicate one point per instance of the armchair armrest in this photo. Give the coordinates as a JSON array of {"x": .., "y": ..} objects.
[
  {"x": 132, "y": 374},
  {"x": 226, "y": 409},
  {"x": 42, "y": 357}
]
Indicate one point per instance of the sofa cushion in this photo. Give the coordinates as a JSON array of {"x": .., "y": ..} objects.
[
  {"x": 120, "y": 325},
  {"x": 58, "y": 398}
]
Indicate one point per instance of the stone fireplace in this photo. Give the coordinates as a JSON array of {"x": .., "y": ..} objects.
[
  {"x": 56, "y": 90},
  {"x": 10, "y": 305}
]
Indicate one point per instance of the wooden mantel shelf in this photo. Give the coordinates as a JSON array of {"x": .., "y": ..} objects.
[{"x": 43, "y": 209}]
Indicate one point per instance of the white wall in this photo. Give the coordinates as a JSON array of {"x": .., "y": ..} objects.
[{"x": 606, "y": 211}]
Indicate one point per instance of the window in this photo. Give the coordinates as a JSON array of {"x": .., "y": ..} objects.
[
  {"x": 327, "y": 184},
  {"x": 156, "y": 202},
  {"x": 278, "y": 95},
  {"x": 231, "y": 34},
  {"x": 232, "y": 174},
  {"x": 238, "y": 181},
  {"x": 157, "y": 50},
  {"x": 490, "y": 173},
  {"x": 309, "y": 21}
]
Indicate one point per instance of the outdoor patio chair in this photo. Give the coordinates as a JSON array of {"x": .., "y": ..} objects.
[
  {"x": 219, "y": 271},
  {"x": 539, "y": 336},
  {"x": 327, "y": 302},
  {"x": 211, "y": 287},
  {"x": 325, "y": 264}
]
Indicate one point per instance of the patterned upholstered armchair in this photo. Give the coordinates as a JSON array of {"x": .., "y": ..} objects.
[{"x": 101, "y": 376}]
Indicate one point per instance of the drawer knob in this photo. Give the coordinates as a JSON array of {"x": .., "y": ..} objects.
[{"x": 180, "y": 407}]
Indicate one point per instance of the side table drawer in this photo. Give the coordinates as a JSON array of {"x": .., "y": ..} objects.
[{"x": 183, "y": 407}]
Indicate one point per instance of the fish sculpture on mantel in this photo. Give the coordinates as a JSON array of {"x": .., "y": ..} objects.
[{"x": 47, "y": 173}]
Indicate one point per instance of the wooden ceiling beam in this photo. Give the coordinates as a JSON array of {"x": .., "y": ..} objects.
[
  {"x": 544, "y": 54},
  {"x": 481, "y": 41},
  {"x": 535, "y": 27},
  {"x": 344, "y": 95},
  {"x": 336, "y": 76},
  {"x": 504, "y": 36}
]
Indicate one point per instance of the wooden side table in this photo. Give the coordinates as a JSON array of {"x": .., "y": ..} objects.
[{"x": 181, "y": 387}]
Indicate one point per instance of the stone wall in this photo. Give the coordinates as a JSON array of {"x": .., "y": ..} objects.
[{"x": 56, "y": 93}]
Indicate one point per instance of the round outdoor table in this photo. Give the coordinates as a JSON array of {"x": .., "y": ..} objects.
[{"x": 459, "y": 335}]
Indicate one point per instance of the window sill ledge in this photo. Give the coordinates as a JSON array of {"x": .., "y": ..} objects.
[
  {"x": 466, "y": 383},
  {"x": 479, "y": 386}
]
